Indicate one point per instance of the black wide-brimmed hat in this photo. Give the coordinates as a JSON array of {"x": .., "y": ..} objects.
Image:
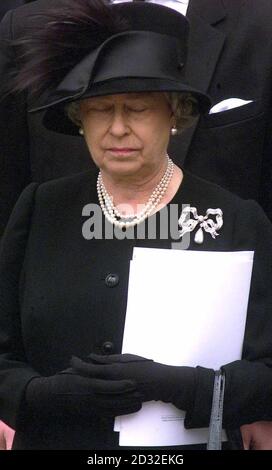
[{"x": 96, "y": 49}]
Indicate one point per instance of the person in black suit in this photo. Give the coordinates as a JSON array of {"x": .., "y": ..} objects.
[
  {"x": 7, "y": 201},
  {"x": 232, "y": 148},
  {"x": 234, "y": 39},
  {"x": 59, "y": 285},
  {"x": 28, "y": 151}
]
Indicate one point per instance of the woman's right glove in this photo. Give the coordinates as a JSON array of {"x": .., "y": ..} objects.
[{"x": 70, "y": 394}]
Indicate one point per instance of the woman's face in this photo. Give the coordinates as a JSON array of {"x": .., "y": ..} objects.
[{"x": 127, "y": 134}]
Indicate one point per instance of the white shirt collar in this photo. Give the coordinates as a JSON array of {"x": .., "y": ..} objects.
[{"x": 178, "y": 5}]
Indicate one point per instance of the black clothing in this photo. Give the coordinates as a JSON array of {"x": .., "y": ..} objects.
[
  {"x": 56, "y": 301},
  {"x": 7, "y": 5}
]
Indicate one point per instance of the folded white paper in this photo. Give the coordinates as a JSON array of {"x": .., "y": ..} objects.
[{"x": 184, "y": 308}]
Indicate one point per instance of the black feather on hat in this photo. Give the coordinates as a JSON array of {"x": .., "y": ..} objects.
[
  {"x": 92, "y": 48},
  {"x": 71, "y": 30}
]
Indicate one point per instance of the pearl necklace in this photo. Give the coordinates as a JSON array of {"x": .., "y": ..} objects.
[{"x": 113, "y": 215}]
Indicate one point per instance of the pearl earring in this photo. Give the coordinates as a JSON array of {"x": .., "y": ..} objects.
[
  {"x": 81, "y": 131},
  {"x": 174, "y": 130}
]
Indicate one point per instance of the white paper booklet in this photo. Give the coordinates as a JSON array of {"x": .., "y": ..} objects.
[{"x": 184, "y": 308}]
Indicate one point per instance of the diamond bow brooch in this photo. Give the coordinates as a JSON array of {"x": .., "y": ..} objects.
[{"x": 205, "y": 223}]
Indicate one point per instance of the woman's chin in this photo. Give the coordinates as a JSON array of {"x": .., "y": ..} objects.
[{"x": 120, "y": 168}]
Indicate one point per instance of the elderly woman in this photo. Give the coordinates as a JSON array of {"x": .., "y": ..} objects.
[{"x": 114, "y": 74}]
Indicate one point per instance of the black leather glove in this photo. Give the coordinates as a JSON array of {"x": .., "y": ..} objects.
[
  {"x": 70, "y": 394},
  {"x": 154, "y": 381}
]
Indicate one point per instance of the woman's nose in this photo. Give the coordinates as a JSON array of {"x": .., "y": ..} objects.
[{"x": 119, "y": 124}]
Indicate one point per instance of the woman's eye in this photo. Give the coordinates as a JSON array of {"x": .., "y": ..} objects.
[
  {"x": 99, "y": 109},
  {"x": 136, "y": 109}
]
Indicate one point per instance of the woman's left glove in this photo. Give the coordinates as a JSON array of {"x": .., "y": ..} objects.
[{"x": 153, "y": 380}]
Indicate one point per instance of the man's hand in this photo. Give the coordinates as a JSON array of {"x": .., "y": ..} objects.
[
  {"x": 257, "y": 436},
  {"x": 6, "y": 436}
]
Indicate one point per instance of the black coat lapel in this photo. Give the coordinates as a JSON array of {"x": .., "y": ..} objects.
[
  {"x": 205, "y": 41},
  {"x": 204, "y": 48}
]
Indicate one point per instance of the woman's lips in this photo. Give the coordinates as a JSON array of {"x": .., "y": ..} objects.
[{"x": 122, "y": 150}]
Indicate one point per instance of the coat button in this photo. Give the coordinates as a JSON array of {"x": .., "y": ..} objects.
[
  {"x": 112, "y": 280},
  {"x": 107, "y": 347}
]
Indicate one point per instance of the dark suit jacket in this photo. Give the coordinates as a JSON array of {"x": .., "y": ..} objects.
[
  {"x": 7, "y": 5},
  {"x": 55, "y": 302},
  {"x": 28, "y": 151},
  {"x": 230, "y": 54}
]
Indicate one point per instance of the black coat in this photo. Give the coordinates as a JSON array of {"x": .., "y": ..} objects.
[
  {"x": 230, "y": 52},
  {"x": 229, "y": 56},
  {"x": 55, "y": 302},
  {"x": 7, "y": 5}
]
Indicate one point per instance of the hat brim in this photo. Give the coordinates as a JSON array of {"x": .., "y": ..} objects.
[{"x": 56, "y": 119}]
